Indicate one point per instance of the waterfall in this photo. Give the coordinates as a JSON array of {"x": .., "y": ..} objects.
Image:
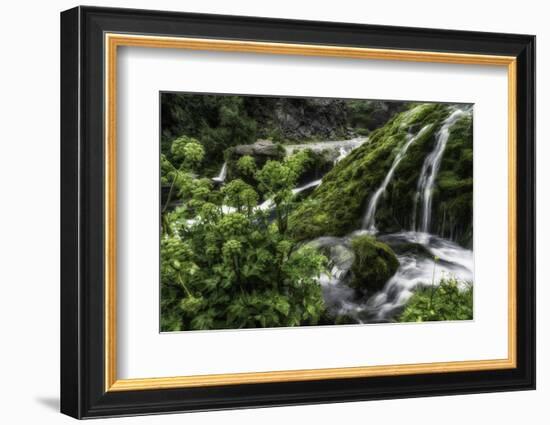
[
  {"x": 347, "y": 145},
  {"x": 414, "y": 270},
  {"x": 220, "y": 178},
  {"x": 430, "y": 169},
  {"x": 342, "y": 153},
  {"x": 268, "y": 204},
  {"x": 306, "y": 186},
  {"x": 369, "y": 221}
]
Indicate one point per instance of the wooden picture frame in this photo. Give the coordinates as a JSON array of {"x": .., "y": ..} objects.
[{"x": 90, "y": 38}]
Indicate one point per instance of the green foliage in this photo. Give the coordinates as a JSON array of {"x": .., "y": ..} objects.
[
  {"x": 226, "y": 263},
  {"x": 235, "y": 269},
  {"x": 239, "y": 195},
  {"x": 232, "y": 128},
  {"x": 374, "y": 264},
  {"x": 246, "y": 166},
  {"x": 315, "y": 165},
  {"x": 276, "y": 180},
  {"x": 217, "y": 121},
  {"x": 187, "y": 151},
  {"x": 446, "y": 301}
]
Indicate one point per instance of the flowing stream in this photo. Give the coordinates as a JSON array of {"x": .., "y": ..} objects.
[
  {"x": 341, "y": 146},
  {"x": 369, "y": 220},
  {"x": 415, "y": 251},
  {"x": 430, "y": 169}
]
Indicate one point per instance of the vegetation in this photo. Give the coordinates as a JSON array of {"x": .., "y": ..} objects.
[
  {"x": 445, "y": 301},
  {"x": 217, "y": 121},
  {"x": 224, "y": 264},
  {"x": 235, "y": 251},
  {"x": 220, "y": 122},
  {"x": 453, "y": 197},
  {"x": 337, "y": 206}
]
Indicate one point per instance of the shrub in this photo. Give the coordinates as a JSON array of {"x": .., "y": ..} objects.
[
  {"x": 235, "y": 269},
  {"x": 446, "y": 301}
]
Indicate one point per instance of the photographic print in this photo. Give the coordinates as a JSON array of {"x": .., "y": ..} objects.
[{"x": 292, "y": 211}]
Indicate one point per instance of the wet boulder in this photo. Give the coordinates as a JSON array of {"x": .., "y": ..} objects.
[
  {"x": 341, "y": 256},
  {"x": 374, "y": 263},
  {"x": 260, "y": 149}
]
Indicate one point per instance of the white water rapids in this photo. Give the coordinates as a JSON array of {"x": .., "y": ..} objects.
[
  {"x": 414, "y": 269},
  {"x": 415, "y": 250}
]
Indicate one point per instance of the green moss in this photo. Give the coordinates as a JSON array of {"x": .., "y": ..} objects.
[
  {"x": 315, "y": 166},
  {"x": 336, "y": 207},
  {"x": 452, "y": 201},
  {"x": 374, "y": 264}
]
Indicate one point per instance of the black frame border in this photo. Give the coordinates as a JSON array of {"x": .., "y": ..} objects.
[{"x": 82, "y": 211}]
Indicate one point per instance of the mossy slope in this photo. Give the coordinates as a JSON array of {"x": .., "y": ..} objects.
[{"x": 337, "y": 205}]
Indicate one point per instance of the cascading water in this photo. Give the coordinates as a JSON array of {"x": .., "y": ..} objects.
[
  {"x": 306, "y": 186},
  {"x": 340, "y": 145},
  {"x": 369, "y": 220},
  {"x": 268, "y": 203},
  {"x": 415, "y": 250},
  {"x": 429, "y": 171},
  {"x": 415, "y": 266},
  {"x": 220, "y": 178},
  {"x": 342, "y": 153},
  {"x": 414, "y": 269}
]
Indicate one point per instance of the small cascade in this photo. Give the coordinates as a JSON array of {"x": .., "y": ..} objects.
[
  {"x": 220, "y": 178},
  {"x": 268, "y": 204},
  {"x": 306, "y": 186},
  {"x": 369, "y": 221},
  {"x": 428, "y": 173},
  {"x": 339, "y": 145},
  {"x": 414, "y": 270},
  {"x": 342, "y": 153}
]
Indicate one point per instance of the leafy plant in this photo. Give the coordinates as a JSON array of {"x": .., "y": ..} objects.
[
  {"x": 450, "y": 300},
  {"x": 224, "y": 264}
]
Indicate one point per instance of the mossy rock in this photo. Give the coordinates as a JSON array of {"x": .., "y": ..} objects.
[
  {"x": 316, "y": 166},
  {"x": 453, "y": 194},
  {"x": 374, "y": 264},
  {"x": 336, "y": 207}
]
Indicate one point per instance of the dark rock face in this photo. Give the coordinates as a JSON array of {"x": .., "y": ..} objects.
[
  {"x": 372, "y": 114},
  {"x": 301, "y": 119}
]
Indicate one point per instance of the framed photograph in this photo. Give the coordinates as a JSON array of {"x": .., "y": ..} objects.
[{"x": 261, "y": 212}]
